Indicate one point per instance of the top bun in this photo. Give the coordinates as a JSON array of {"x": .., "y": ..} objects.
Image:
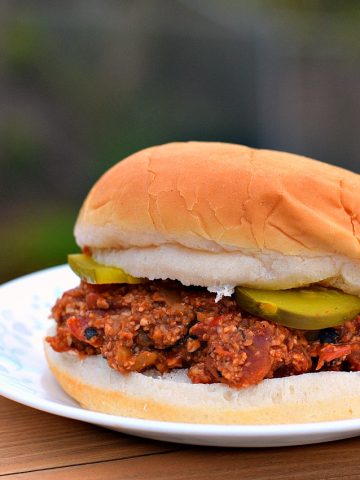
[{"x": 227, "y": 202}]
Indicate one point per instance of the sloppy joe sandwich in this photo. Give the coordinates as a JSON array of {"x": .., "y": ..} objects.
[{"x": 218, "y": 284}]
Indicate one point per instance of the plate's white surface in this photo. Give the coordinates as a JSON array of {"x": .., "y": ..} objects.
[{"x": 24, "y": 377}]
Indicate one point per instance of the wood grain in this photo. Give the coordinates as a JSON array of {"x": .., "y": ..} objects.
[
  {"x": 33, "y": 440},
  {"x": 35, "y": 445},
  {"x": 328, "y": 461}
]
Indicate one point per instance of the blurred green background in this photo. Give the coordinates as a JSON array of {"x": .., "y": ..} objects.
[{"x": 85, "y": 83}]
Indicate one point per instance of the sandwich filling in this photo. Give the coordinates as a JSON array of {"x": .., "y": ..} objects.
[{"x": 165, "y": 325}]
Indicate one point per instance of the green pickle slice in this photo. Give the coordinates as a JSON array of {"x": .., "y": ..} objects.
[
  {"x": 310, "y": 308},
  {"x": 92, "y": 272}
]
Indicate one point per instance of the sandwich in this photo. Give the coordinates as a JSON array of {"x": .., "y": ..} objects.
[{"x": 218, "y": 284}]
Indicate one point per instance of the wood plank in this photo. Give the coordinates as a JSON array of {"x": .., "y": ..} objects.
[
  {"x": 324, "y": 461},
  {"x": 31, "y": 440}
]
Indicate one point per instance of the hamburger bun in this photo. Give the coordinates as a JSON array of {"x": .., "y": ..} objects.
[
  {"x": 220, "y": 215},
  {"x": 217, "y": 215},
  {"x": 311, "y": 397}
]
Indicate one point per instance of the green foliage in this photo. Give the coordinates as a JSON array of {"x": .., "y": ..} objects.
[
  {"x": 82, "y": 88},
  {"x": 24, "y": 48},
  {"x": 37, "y": 240},
  {"x": 21, "y": 147}
]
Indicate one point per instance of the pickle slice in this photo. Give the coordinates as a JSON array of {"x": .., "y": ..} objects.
[
  {"x": 311, "y": 308},
  {"x": 92, "y": 272}
]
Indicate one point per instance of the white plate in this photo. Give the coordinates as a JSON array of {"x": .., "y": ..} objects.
[{"x": 24, "y": 377}]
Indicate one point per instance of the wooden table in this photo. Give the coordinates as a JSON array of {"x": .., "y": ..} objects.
[{"x": 36, "y": 445}]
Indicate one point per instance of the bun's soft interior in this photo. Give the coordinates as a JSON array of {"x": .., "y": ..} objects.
[
  {"x": 309, "y": 397},
  {"x": 258, "y": 269}
]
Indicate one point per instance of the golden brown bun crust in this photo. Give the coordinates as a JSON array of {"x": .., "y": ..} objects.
[
  {"x": 300, "y": 399},
  {"x": 216, "y": 196}
]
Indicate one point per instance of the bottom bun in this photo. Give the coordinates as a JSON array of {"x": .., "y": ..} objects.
[{"x": 310, "y": 397}]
